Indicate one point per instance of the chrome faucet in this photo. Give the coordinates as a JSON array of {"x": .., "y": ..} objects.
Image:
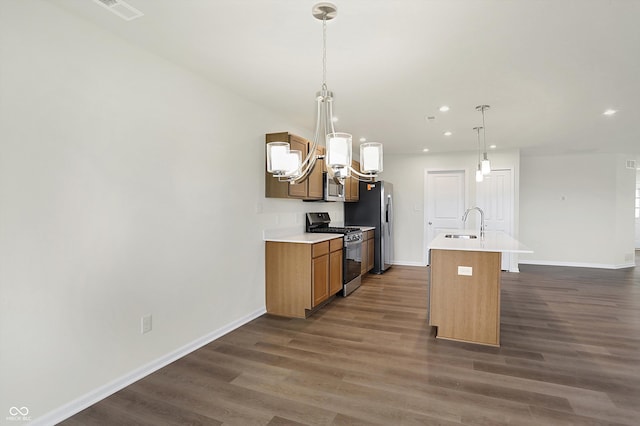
[{"x": 466, "y": 213}]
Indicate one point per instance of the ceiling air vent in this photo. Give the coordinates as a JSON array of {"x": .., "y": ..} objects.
[
  {"x": 631, "y": 164},
  {"x": 120, "y": 8}
]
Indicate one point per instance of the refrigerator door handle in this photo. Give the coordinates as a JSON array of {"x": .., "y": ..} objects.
[{"x": 389, "y": 213}]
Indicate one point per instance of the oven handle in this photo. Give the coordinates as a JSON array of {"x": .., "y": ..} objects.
[{"x": 348, "y": 244}]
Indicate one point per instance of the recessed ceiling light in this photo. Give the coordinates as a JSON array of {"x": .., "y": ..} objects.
[
  {"x": 444, "y": 108},
  {"x": 363, "y": 139},
  {"x": 610, "y": 112},
  {"x": 492, "y": 146},
  {"x": 448, "y": 133},
  {"x": 120, "y": 8},
  {"x": 425, "y": 150}
]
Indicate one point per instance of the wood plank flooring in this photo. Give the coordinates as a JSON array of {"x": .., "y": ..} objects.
[{"x": 570, "y": 355}]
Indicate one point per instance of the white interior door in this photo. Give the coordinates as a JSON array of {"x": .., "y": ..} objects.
[
  {"x": 494, "y": 195},
  {"x": 444, "y": 202},
  {"x": 637, "y": 211}
]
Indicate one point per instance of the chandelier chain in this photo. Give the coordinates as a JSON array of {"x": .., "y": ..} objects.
[
  {"x": 484, "y": 131},
  {"x": 477, "y": 129},
  {"x": 324, "y": 51}
]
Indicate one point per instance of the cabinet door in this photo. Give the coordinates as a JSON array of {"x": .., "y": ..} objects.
[
  {"x": 273, "y": 188},
  {"x": 370, "y": 254},
  {"x": 299, "y": 190},
  {"x": 315, "y": 178},
  {"x": 355, "y": 183},
  {"x": 320, "y": 279},
  {"x": 335, "y": 267},
  {"x": 365, "y": 257}
]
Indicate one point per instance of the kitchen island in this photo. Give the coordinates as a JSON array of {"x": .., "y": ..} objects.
[{"x": 464, "y": 284}]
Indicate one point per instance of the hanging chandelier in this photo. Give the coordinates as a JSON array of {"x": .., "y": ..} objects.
[
  {"x": 288, "y": 165},
  {"x": 485, "y": 163},
  {"x": 479, "y": 173}
]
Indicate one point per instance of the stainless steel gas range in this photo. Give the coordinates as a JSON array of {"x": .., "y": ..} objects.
[{"x": 351, "y": 249}]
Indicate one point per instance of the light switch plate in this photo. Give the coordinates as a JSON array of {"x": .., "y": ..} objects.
[
  {"x": 465, "y": 270},
  {"x": 146, "y": 324}
]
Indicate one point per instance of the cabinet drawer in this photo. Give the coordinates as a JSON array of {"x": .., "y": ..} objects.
[
  {"x": 335, "y": 244},
  {"x": 320, "y": 248}
]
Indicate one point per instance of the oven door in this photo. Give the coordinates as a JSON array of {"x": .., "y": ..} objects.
[{"x": 352, "y": 255}]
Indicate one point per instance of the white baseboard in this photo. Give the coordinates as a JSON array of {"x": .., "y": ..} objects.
[
  {"x": 577, "y": 264},
  {"x": 403, "y": 263},
  {"x": 79, "y": 404}
]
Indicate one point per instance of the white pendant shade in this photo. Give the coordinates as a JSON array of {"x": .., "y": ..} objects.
[
  {"x": 282, "y": 161},
  {"x": 371, "y": 157},
  {"x": 479, "y": 175},
  {"x": 277, "y": 157},
  {"x": 294, "y": 159},
  {"x": 485, "y": 165},
  {"x": 338, "y": 150}
]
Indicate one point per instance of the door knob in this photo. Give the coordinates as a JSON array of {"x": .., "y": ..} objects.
[{"x": 430, "y": 223}]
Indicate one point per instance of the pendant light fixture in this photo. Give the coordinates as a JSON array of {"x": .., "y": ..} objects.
[
  {"x": 479, "y": 174},
  {"x": 288, "y": 165},
  {"x": 485, "y": 164}
]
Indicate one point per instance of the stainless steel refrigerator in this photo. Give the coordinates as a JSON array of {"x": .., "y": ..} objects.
[{"x": 375, "y": 208}]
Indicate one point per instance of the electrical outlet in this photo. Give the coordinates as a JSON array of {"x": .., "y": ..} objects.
[
  {"x": 145, "y": 324},
  {"x": 465, "y": 270}
]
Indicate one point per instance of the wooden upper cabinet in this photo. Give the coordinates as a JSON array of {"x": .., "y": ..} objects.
[
  {"x": 309, "y": 189},
  {"x": 315, "y": 182},
  {"x": 299, "y": 190},
  {"x": 351, "y": 185}
]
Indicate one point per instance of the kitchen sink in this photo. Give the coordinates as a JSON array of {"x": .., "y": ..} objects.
[{"x": 462, "y": 236}]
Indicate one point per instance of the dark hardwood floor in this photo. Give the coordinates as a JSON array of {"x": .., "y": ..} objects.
[{"x": 570, "y": 355}]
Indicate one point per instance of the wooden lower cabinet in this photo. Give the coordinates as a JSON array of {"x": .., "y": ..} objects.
[
  {"x": 370, "y": 250},
  {"x": 367, "y": 251},
  {"x": 364, "y": 255},
  {"x": 300, "y": 277},
  {"x": 464, "y": 295},
  {"x": 335, "y": 271},
  {"x": 320, "y": 275}
]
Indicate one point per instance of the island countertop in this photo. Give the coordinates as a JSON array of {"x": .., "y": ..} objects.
[{"x": 493, "y": 241}]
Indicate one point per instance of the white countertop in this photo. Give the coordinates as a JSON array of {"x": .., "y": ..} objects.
[
  {"x": 362, "y": 228},
  {"x": 494, "y": 241},
  {"x": 293, "y": 235},
  {"x": 303, "y": 238}
]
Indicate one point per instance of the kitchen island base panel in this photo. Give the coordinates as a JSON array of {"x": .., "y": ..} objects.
[
  {"x": 451, "y": 339},
  {"x": 465, "y": 307}
]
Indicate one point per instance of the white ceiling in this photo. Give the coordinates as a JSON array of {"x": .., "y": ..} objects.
[{"x": 547, "y": 68}]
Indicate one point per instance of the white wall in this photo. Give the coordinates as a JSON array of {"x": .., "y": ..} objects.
[
  {"x": 119, "y": 197},
  {"x": 577, "y": 210},
  {"x": 407, "y": 174},
  {"x": 637, "y": 243}
]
